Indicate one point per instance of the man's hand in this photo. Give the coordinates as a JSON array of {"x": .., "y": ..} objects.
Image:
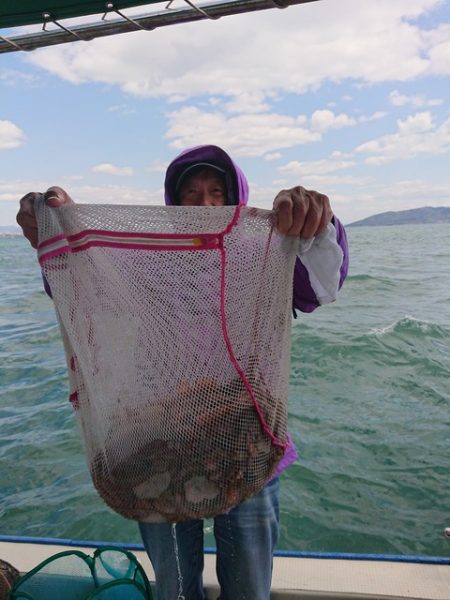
[
  {"x": 26, "y": 218},
  {"x": 301, "y": 212}
]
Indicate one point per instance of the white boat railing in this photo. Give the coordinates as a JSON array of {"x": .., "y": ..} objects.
[{"x": 296, "y": 575}]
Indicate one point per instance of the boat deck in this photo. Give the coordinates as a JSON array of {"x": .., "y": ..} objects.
[{"x": 296, "y": 577}]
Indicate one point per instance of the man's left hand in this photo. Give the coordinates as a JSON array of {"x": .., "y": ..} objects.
[{"x": 301, "y": 212}]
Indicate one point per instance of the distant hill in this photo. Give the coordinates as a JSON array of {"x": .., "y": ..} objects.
[
  {"x": 9, "y": 230},
  {"x": 414, "y": 216}
]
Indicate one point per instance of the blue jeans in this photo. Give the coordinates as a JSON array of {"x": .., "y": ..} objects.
[{"x": 246, "y": 537}]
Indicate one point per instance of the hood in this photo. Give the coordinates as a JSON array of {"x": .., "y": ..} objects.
[{"x": 207, "y": 154}]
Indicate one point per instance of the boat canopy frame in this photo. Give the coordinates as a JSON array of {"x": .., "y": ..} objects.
[{"x": 46, "y": 12}]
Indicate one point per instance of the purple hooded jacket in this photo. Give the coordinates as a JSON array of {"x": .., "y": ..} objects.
[{"x": 304, "y": 297}]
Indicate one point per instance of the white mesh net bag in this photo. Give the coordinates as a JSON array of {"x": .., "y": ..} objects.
[{"x": 176, "y": 325}]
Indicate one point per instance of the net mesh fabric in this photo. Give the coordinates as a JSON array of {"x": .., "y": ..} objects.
[
  {"x": 178, "y": 358},
  {"x": 70, "y": 572},
  {"x": 109, "y": 574}
]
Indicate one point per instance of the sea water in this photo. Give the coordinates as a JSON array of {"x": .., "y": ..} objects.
[{"x": 369, "y": 408}]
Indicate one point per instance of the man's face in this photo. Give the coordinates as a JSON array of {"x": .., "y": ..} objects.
[{"x": 204, "y": 188}]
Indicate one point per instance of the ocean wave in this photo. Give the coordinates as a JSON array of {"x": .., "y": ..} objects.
[
  {"x": 411, "y": 325},
  {"x": 368, "y": 282}
]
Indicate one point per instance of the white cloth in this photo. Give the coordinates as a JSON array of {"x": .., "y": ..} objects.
[{"x": 322, "y": 257}]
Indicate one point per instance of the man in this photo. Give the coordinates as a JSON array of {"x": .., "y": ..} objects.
[{"x": 247, "y": 534}]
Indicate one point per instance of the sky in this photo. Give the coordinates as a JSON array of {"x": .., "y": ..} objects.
[{"x": 346, "y": 97}]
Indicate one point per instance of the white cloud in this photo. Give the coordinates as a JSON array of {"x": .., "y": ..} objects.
[
  {"x": 338, "y": 154},
  {"x": 376, "y": 116},
  {"x": 177, "y": 98},
  {"x": 309, "y": 45},
  {"x": 263, "y": 196},
  {"x": 326, "y": 184},
  {"x": 401, "y": 195},
  {"x": 315, "y": 167},
  {"x": 321, "y": 120},
  {"x": 438, "y": 41},
  {"x": 358, "y": 202},
  {"x": 157, "y": 166},
  {"x": 352, "y": 204},
  {"x": 418, "y": 123},
  {"x": 398, "y": 99},
  {"x": 418, "y": 192},
  {"x": 14, "y": 78},
  {"x": 252, "y": 134},
  {"x": 123, "y": 109},
  {"x": 417, "y": 134},
  {"x": 243, "y": 135},
  {"x": 247, "y": 103},
  {"x": 110, "y": 169},
  {"x": 117, "y": 194},
  {"x": 11, "y": 192},
  {"x": 11, "y": 136},
  {"x": 315, "y": 174},
  {"x": 8, "y": 196}
]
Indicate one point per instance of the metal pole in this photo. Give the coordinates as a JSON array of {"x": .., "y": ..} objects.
[{"x": 149, "y": 22}]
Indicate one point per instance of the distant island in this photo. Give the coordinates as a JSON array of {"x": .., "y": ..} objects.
[
  {"x": 9, "y": 230},
  {"x": 413, "y": 216}
]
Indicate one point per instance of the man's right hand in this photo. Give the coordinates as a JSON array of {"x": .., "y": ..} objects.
[{"x": 26, "y": 218}]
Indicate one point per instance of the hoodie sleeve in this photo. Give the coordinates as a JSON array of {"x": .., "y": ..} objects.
[
  {"x": 321, "y": 268},
  {"x": 47, "y": 289}
]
